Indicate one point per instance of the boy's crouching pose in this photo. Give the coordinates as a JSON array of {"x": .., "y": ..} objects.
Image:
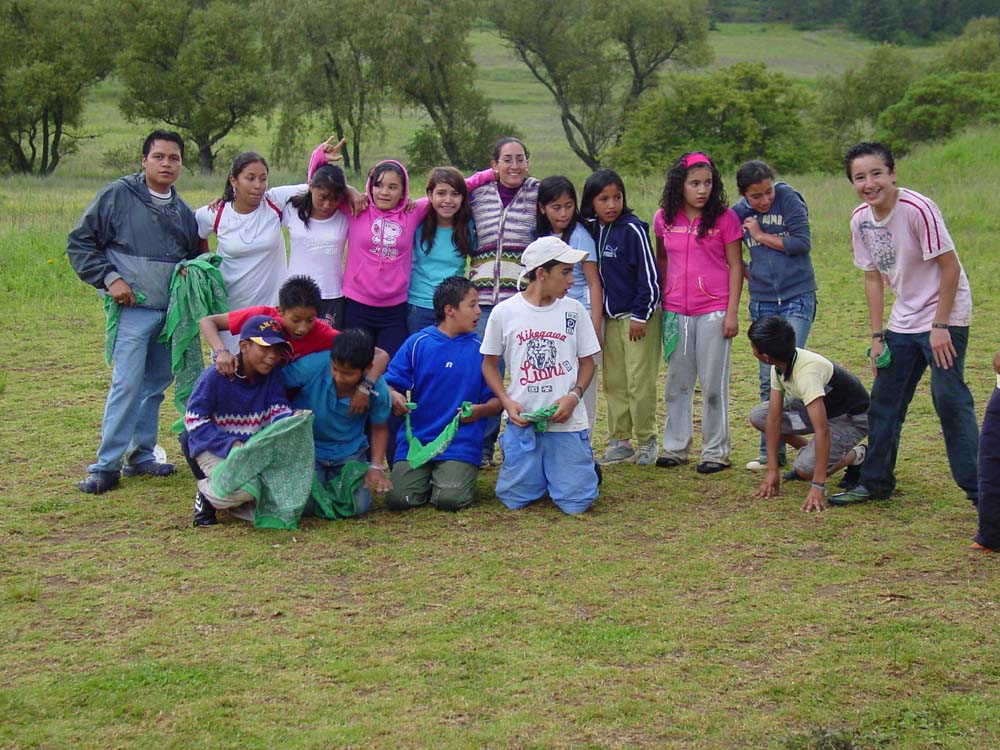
[
  {"x": 825, "y": 401},
  {"x": 224, "y": 413},
  {"x": 548, "y": 344}
]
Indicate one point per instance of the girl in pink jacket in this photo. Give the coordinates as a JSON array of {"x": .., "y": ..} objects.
[{"x": 701, "y": 272}]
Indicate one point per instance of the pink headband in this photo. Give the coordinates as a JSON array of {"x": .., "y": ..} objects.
[{"x": 696, "y": 158}]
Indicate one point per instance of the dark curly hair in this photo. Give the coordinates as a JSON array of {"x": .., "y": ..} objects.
[{"x": 672, "y": 198}]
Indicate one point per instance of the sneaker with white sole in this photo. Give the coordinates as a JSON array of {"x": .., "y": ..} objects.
[
  {"x": 616, "y": 453},
  {"x": 760, "y": 463},
  {"x": 646, "y": 455}
]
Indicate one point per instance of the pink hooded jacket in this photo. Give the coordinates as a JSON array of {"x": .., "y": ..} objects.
[{"x": 380, "y": 243}]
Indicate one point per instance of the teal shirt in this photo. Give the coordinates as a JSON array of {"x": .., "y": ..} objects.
[
  {"x": 337, "y": 433},
  {"x": 431, "y": 268}
]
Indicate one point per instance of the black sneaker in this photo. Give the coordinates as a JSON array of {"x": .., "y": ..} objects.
[
  {"x": 600, "y": 474},
  {"x": 204, "y": 511}
]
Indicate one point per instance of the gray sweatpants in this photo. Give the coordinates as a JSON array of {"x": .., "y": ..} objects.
[{"x": 701, "y": 354}]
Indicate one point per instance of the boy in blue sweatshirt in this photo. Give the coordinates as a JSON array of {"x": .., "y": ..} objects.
[
  {"x": 441, "y": 368},
  {"x": 328, "y": 385},
  {"x": 223, "y": 413}
]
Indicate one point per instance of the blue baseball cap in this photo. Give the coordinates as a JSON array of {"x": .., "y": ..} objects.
[{"x": 264, "y": 330}]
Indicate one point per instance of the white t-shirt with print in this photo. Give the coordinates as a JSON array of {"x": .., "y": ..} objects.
[
  {"x": 542, "y": 347},
  {"x": 903, "y": 248}
]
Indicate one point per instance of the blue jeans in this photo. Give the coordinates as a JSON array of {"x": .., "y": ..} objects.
[
  {"x": 418, "y": 318},
  {"x": 989, "y": 476},
  {"x": 491, "y": 430},
  {"x": 800, "y": 312},
  {"x": 891, "y": 395},
  {"x": 141, "y": 374}
]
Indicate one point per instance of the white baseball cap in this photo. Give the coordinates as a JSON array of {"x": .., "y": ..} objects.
[{"x": 546, "y": 249}]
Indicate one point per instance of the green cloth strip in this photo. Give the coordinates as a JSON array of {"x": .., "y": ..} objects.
[
  {"x": 335, "y": 500},
  {"x": 671, "y": 332},
  {"x": 540, "y": 417},
  {"x": 418, "y": 454},
  {"x": 112, "y": 312}
]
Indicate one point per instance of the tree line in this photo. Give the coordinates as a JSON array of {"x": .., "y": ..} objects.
[{"x": 623, "y": 82}]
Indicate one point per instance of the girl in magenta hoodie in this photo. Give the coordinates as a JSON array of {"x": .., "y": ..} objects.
[
  {"x": 380, "y": 249},
  {"x": 698, "y": 249}
]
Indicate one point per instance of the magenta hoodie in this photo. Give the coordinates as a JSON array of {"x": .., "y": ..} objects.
[{"x": 380, "y": 243}]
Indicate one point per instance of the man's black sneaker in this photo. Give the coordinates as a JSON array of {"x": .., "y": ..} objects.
[{"x": 204, "y": 511}]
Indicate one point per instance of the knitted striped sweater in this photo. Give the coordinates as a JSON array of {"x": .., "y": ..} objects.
[{"x": 503, "y": 234}]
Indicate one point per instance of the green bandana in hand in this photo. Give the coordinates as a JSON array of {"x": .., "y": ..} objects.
[
  {"x": 418, "y": 454},
  {"x": 540, "y": 417},
  {"x": 113, "y": 311},
  {"x": 884, "y": 359},
  {"x": 671, "y": 332}
]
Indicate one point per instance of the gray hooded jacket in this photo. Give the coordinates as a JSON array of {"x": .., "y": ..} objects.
[{"x": 124, "y": 234}]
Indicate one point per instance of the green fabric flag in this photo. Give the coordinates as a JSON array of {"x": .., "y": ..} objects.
[
  {"x": 276, "y": 466},
  {"x": 418, "y": 454},
  {"x": 335, "y": 500},
  {"x": 671, "y": 332},
  {"x": 112, "y": 312},
  {"x": 540, "y": 417},
  {"x": 884, "y": 359},
  {"x": 201, "y": 292}
]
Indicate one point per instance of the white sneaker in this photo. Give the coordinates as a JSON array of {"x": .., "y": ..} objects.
[{"x": 758, "y": 464}]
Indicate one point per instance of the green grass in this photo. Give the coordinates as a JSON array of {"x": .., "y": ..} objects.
[{"x": 678, "y": 613}]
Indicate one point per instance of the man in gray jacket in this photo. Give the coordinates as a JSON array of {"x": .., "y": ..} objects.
[{"x": 126, "y": 245}]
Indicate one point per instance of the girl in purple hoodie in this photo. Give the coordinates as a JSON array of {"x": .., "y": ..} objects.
[{"x": 380, "y": 250}]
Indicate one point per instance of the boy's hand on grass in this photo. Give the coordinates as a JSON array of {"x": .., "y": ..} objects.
[
  {"x": 730, "y": 326},
  {"x": 636, "y": 331},
  {"x": 770, "y": 487},
  {"x": 359, "y": 403},
  {"x": 815, "y": 500},
  {"x": 377, "y": 481}
]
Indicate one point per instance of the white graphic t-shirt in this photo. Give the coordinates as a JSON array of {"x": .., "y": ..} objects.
[
  {"x": 903, "y": 248},
  {"x": 542, "y": 347}
]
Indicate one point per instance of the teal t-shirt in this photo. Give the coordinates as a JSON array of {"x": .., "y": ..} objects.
[{"x": 431, "y": 268}]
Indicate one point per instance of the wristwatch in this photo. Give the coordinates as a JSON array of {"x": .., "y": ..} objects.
[{"x": 366, "y": 386}]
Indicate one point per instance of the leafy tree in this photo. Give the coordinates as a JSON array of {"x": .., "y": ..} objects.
[
  {"x": 935, "y": 107},
  {"x": 50, "y": 54},
  {"x": 336, "y": 62},
  {"x": 848, "y": 105},
  {"x": 432, "y": 35},
  {"x": 734, "y": 114},
  {"x": 196, "y": 65},
  {"x": 596, "y": 63},
  {"x": 977, "y": 49}
]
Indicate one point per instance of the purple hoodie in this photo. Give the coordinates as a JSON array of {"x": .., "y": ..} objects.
[{"x": 379, "y": 244}]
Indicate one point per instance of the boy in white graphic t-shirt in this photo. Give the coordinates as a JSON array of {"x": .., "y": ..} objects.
[{"x": 547, "y": 342}]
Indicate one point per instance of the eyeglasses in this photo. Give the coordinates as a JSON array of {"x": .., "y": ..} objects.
[{"x": 508, "y": 160}]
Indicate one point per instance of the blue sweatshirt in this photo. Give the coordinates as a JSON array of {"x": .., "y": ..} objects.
[
  {"x": 628, "y": 268},
  {"x": 222, "y": 412},
  {"x": 440, "y": 373},
  {"x": 777, "y": 275},
  {"x": 338, "y": 434}
]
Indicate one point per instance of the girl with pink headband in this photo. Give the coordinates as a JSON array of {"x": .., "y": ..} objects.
[{"x": 701, "y": 272}]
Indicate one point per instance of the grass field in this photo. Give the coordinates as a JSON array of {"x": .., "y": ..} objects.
[{"x": 678, "y": 613}]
